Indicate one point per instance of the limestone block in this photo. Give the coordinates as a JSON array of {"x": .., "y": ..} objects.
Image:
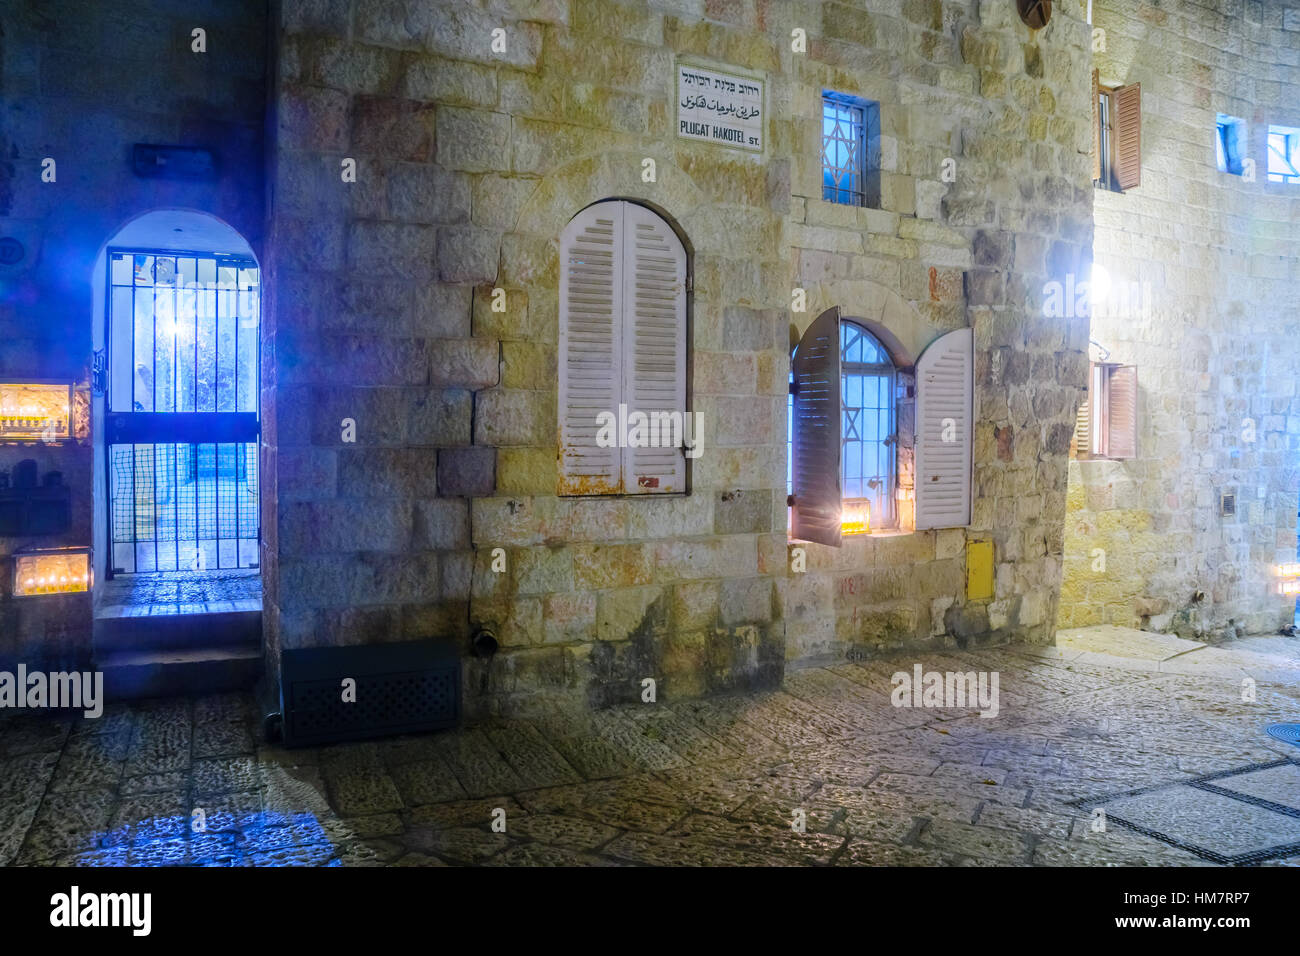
[
  {"x": 514, "y": 417},
  {"x": 465, "y": 363},
  {"x": 441, "y": 524},
  {"x": 469, "y": 472}
]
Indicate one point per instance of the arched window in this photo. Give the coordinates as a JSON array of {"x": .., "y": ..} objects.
[
  {"x": 869, "y": 438},
  {"x": 844, "y": 441},
  {"x": 622, "y": 353},
  {"x": 868, "y": 430}
]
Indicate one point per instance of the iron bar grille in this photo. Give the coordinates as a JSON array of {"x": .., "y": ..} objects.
[{"x": 183, "y": 366}]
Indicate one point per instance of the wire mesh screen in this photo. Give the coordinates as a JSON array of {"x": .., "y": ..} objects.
[{"x": 184, "y": 507}]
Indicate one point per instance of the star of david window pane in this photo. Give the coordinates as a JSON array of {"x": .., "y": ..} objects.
[
  {"x": 868, "y": 439},
  {"x": 843, "y": 151}
]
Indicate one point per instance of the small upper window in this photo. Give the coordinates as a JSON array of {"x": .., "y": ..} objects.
[
  {"x": 1283, "y": 154},
  {"x": 850, "y": 150},
  {"x": 1229, "y": 144}
]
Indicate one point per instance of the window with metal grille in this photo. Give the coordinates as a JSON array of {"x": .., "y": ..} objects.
[
  {"x": 868, "y": 434},
  {"x": 850, "y": 150},
  {"x": 1283, "y": 154}
]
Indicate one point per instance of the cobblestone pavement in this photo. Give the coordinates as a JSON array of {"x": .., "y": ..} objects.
[{"x": 713, "y": 782}]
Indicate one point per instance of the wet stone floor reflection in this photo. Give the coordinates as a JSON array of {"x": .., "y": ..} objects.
[{"x": 712, "y": 782}]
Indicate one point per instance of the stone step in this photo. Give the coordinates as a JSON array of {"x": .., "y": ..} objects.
[
  {"x": 163, "y": 673},
  {"x": 177, "y": 631}
]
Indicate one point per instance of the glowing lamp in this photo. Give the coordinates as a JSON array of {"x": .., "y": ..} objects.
[
  {"x": 1289, "y": 587},
  {"x": 855, "y": 518},
  {"x": 40, "y": 571},
  {"x": 1288, "y": 570}
]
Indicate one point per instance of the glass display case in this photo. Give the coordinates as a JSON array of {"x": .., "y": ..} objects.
[
  {"x": 40, "y": 571},
  {"x": 856, "y": 517},
  {"x": 35, "y": 411}
]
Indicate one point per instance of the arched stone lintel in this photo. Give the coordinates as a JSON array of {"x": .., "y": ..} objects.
[
  {"x": 567, "y": 190},
  {"x": 901, "y": 329}
]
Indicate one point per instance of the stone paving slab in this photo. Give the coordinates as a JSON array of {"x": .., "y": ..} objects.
[
  {"x": 1124, "y": 643},
  {"x": 824, "y": 771},
  {"x": 1280, "y": 785},
  {"x": 1200, "y": 820}
]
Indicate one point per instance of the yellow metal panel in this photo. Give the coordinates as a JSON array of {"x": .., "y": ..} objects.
[{"x": 979, "y": 570}]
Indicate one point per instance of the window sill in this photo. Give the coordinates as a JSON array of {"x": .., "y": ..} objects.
[{"x": 848, "y": 538}]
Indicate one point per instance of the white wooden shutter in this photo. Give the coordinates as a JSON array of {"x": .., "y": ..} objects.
[
  {"x": 944, "y": 399},
  {"x": 590, "y": 347},
  {"x": 654, "y": 348},
  {"x": 818, "y": 503},
  {"x": 1121, "y": 432}
]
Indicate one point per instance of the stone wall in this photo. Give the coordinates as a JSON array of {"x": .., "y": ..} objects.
[
  {"x": 470, "y": 162},
  {"x": 80, "y": 82},
  {"x": 1214, "y": 262}
]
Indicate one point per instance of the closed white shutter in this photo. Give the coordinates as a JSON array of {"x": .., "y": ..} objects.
[
  {"x": 944, "y": 398},
  {"x": 590, "y": 347},
  {"x": 818, "y": 506},
  {"x": 654, "y": 349}
]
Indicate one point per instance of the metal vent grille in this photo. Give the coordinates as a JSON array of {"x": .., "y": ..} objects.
[
  {"x": 1228, "y": 505},
  {"x": 400, "y": 688},
  {"x": 1287, "y": 732}
]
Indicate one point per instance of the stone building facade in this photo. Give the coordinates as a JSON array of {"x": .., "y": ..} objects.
[
  {"x": 423, "y": 157},
  {"x": 1204, "y": 267},
  {"x": 471, "y": 161}
]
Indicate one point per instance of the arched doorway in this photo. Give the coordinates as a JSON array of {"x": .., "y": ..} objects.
[{"x": 177, "y": 424}]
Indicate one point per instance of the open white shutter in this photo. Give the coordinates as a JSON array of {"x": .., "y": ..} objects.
[
  {"x": 944, "y": 398},
  {"x": 590, "y": 347},
  {"x": 816, "y": 468},
  {"x": 654, "y": 348}
]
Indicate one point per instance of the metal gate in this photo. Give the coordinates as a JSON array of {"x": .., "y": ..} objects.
[{"x": 181, "y": 423}]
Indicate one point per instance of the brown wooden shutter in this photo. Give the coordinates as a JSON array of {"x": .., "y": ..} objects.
[
  {"x": 1121, "y": 437},
  {"x": 1128, "y": 136},
  {"x": 1096, "y": 125},
  {"x": 817, "y": 432}
]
